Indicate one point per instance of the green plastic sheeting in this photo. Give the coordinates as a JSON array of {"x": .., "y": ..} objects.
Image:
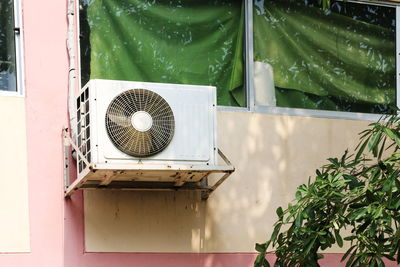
[
  {"x": 342, "y": 61},
  {"x": 184, "y": 42}
]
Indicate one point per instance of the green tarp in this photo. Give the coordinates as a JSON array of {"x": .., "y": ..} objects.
[
  {"x": 185, "y": 42},
  {"x": 332, "y": 61},
  {"x": 340, "y": 61}
]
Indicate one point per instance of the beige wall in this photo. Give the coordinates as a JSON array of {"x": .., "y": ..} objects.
[
  {"x": 14, "y": 213},
  {"x": 273, "y": 154}
]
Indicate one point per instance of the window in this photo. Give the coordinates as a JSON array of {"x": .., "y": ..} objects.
[
  {"x": 343, "y": 59},
  {"x": 274, "y": 56},
  {"x": 9, "y": 53},
  {"x": 185, "y": 42}
]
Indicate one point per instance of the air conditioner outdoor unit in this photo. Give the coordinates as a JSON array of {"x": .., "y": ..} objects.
[{"x": 137, "y": 134}]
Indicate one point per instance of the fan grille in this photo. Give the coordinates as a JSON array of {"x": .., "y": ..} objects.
[{"x": 133, "y": 140}]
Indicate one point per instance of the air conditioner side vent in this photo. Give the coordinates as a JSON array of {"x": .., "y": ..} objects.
[{"x": 83, "y": 133}]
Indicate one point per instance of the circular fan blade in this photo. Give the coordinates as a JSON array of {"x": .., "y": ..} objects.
[{"x": 140, "y": 122}]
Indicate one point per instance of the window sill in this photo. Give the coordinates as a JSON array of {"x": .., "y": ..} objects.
[
  {"x": 10, "y": 94},
  {"x": 327, "y": 114}
]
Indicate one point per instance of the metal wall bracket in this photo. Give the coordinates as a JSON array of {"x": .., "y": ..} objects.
[{"x": 153, "y": 177}]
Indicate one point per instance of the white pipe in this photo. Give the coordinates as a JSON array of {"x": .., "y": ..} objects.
[{"x": 72, "y": 67}]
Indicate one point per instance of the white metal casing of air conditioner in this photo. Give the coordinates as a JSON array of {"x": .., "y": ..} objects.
[{"x": 194, "y": 142}]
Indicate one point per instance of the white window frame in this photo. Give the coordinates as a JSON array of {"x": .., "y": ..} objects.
[
  {"x": 18, "y": 37},
  {"x": 249, "y": 52}
]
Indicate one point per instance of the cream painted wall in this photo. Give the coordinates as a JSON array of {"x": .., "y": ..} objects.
[
  {"x": 273, "y": 154},
  {"x": 14, "y": 211}
]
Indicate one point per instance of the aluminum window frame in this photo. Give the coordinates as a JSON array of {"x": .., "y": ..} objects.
[
  {"x": 19, "y": 53},
  {"x": 252, "y": 107}
]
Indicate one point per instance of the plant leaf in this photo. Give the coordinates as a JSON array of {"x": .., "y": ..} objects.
[
  {"x": 261, "y": 247},
  {"x": 261, "y": 261},
  {"x": 298, "y": 195},
  {"x": 309, "y": 246},
  {"x": 392, "y": 135},
  {"x": 279, "y": 212},
  {"x": 362, "y": 148},
  {"x": 299, "y": 219},
  {"x": 380, "y": 262},
  {"x": 339, "y": 239},
  {"x": 372, "y": 144},
  {"x": 348, "y": 252},
  {"x": 275, "y": 233}
]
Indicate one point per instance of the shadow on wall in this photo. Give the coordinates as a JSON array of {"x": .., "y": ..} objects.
[
  {"x": 272, "y": 155},
  {"x": 144, "y": 221}
]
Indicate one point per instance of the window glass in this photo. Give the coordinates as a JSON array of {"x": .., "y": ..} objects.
[
  {"x": 342, "y": 59},
  {"x": 8, "y": 80},
  {"x": 185, "y": 42}
]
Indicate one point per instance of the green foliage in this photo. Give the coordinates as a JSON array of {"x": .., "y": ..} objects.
[{"x": 358, "y": 192}]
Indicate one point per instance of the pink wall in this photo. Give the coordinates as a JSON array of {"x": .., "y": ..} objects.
[
  {"x": 56, "y": 224},
  {"x": 46, "y": 76}
]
